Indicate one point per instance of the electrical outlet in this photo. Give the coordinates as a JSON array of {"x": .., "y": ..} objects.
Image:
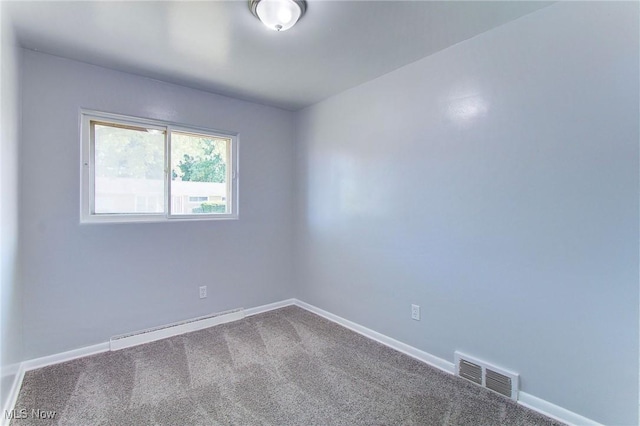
[
  {"x": 203, "y": 292},
  {"x": 415, "y": 312}
]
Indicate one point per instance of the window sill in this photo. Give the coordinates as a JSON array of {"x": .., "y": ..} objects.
[{"x": 152, "y": 219}]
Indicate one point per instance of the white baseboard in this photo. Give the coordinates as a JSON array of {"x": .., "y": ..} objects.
[
  {"x": 425, "y": 357},
  {"x": 525, "y": 399},
  {"x": 45, "y": 361},
  {"x": 554, "y": 411},
  {"x": 12, "y": 398},
  {"x": 269, "y": 307}
]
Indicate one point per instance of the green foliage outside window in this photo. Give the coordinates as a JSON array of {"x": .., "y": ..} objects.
[
  {"x": 210, "y": 208},
  {"x": 200, "y": 159}
]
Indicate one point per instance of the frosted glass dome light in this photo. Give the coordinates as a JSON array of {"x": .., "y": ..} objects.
[{"x": 278, "y": 15}]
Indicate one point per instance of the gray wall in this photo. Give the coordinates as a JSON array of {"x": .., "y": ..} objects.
[
  {"x": 86, "y": 283},
  {"x": 495, "y": 184},
  {"x": 10, "y": 289}
]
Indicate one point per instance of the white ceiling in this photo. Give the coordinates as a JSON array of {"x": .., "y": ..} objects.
[{"x": 219, "y": 46}]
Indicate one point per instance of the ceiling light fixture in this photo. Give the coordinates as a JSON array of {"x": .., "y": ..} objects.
[{"x": 278, "y": 15}]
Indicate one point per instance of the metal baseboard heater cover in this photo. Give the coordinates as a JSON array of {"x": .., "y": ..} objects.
[
  {"x": 486, "y": 375},
  {"x": 157, "y": 333}
]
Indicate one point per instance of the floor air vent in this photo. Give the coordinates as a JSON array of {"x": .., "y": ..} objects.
[
  {"x": 498, "y": 382},
  {"x": 487, "y": 375},
  {"x": 470, "y": 371}
]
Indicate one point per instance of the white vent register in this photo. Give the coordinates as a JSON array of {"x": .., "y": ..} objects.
[{"x": 486, "y": 375}]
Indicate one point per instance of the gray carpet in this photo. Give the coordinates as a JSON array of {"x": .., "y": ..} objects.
[{"x": 284, "y": 367}]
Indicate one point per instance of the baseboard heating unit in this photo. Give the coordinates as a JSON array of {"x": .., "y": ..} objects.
[{"x": 152, "y": 334}]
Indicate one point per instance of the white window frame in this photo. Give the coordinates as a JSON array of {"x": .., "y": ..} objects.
[{"x": 87, "y": 184}]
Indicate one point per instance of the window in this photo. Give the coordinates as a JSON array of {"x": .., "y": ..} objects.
[{"x": 146, "y": 170}]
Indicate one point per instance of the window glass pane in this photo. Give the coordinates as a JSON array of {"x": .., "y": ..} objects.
[
  {"x": 129, "y": 170},
  {"x": 199, "y": 174}
]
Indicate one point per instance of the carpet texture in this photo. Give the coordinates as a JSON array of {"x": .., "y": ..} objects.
[{"x": 284, "y": 367}]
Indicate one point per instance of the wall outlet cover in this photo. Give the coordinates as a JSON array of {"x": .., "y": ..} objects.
[{"x": 415, "y": 312}]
